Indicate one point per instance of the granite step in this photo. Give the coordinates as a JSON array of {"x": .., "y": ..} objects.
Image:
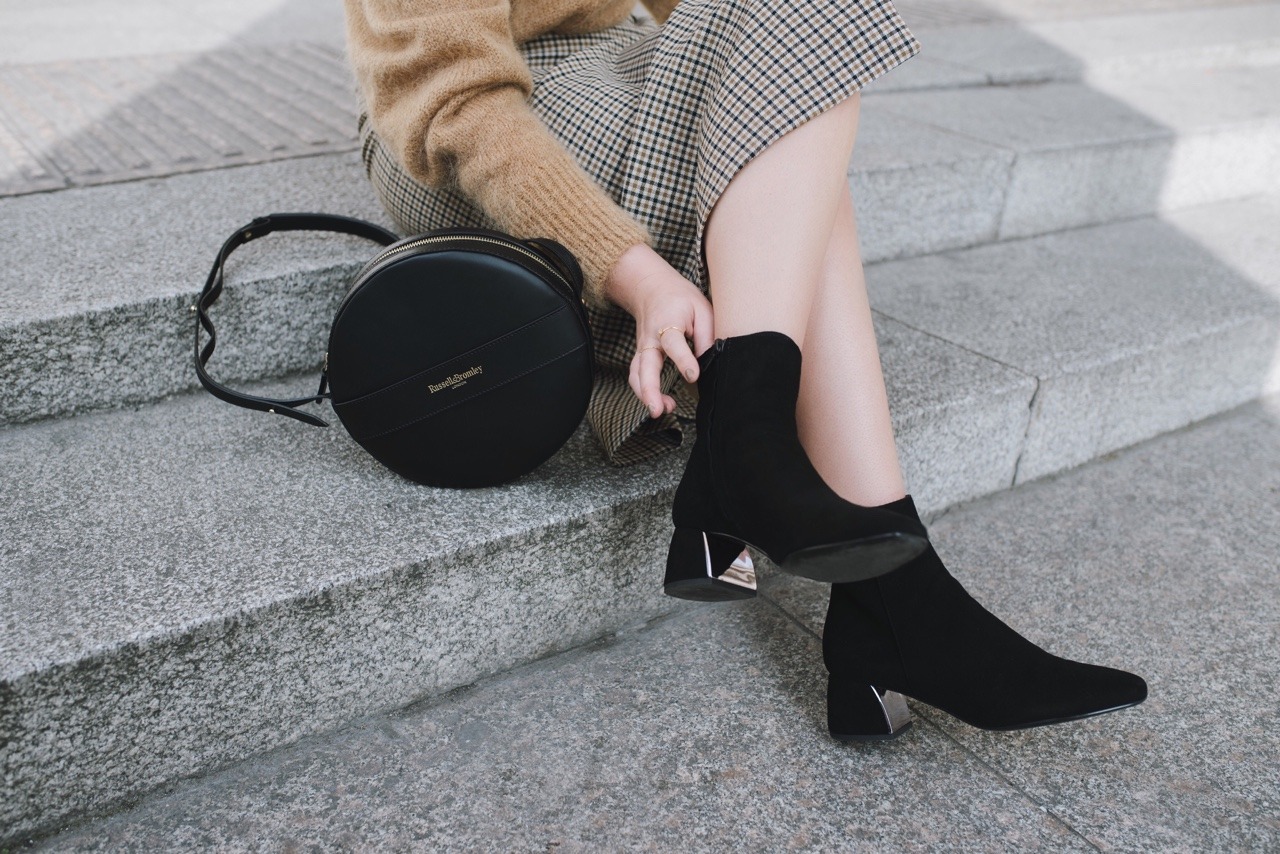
[
  {"x": 94, "y": 303},
  {"x": 976, "y": 44},
  {"x": 189, "y": 584},
  {"x": 644, "y": 741}
]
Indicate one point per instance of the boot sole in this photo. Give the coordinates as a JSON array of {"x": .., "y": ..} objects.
[{"x": 854, "y": 560}]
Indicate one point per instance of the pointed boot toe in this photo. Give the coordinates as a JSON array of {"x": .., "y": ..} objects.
[{"x": 917, "y": 632}]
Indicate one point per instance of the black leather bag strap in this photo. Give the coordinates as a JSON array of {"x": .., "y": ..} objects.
[{"x": 261, "y": 227}]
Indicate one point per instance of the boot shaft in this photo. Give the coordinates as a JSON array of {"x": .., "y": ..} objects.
[
  {"x": 744, "y": 382},
  {"x": 749, "y": 377}
]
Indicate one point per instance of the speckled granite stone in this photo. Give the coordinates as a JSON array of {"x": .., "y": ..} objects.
[
  {"x": 1131, "y": 328},
  {"x": 959, "y": 419},
  {"x": 191, "y": 584},
  {"x": 1162, "y": 560},
  {"x": 701, "y": 732},
  {"x": 918, "y": 189},
  {"x": 1243, "y": 233},
  {"x": 1091, "y": 153},
  {"x": 192, "y": 550},
  {"x": 1099, "y": 46},
  {"x": 94, "y": 301}
]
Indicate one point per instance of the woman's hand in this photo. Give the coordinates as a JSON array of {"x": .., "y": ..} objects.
[{"x": 651, "y": 290}]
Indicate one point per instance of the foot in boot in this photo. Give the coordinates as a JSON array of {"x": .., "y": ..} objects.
[
  {"x": 918, "y": 632},
  {"x": 749, "y": 480}
]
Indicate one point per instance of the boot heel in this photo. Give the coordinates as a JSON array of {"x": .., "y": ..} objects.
[
  {"x": 858, "y": 711},
  {"x": 708, "y": 567}
]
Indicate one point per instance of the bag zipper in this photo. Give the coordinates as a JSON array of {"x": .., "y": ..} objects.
[{"x": 384, "y": 255}]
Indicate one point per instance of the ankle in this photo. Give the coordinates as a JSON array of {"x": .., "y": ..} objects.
[{"x": 904, "y": 506}]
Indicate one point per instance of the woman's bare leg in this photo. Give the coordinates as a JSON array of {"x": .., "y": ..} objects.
[
  {"x": 782, "y": 254},
  {"x": 767, "y": 236},
  {"x": 843, "y": 410}
]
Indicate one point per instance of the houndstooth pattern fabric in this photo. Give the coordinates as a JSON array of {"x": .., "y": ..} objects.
[{"x": 662, "y": 117}]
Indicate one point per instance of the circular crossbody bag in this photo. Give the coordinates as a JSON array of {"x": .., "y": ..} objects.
[{"x": 461, "y": 357}]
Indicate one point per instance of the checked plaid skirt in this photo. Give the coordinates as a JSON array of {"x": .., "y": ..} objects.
[{"x": 662, "y": 117}]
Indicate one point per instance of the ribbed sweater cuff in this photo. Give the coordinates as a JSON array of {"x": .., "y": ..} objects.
[{"x": 524, "y": 179}]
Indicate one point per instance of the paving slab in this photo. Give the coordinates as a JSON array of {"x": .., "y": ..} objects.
[
  {"x": 1161, "y": 559},
  {"x": 701, "y": 732},
  {"x": 111, "y": 120},
  {"x": 186, "y": 550},
  {"x": 71, "y": 30},
  {"x": 82, "y": 29},
  {"x": 1000, "y": 53},
  {"x": 1131, "y": 329},
  {"x": 283, "y": 574}
]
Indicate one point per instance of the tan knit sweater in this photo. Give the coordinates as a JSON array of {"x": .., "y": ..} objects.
[{"x": 447, "y": 91}]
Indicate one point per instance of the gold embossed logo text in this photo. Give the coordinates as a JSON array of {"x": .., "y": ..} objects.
[{"x": 456, "y": 380}]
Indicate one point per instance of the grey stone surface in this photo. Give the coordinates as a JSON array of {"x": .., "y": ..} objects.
[
  {"x": 1131, "y": 329},
  {"x": 1243, "y": 234},
  {"x": 1081, "y": 158},
  {"x": 926, "y": 72},
  {"x": 976, "y": 45},
  {"x": 1099, "y": 47},
  {"x": 94, "y": 301},
  {"x": 1163, "y": 560},
  {"x": 191, "y": 584},
  {"x": 108, "y": 121},
  {"x": 82, "y": 29},
  {"x": 70, "y": 30},
  {"x": 92, "y": 316},
  {"x": 919, "y": 190},
  {"x": 701, "y": 732},
  {"x": 960, "y": 420},
  {"x": 1056, "y": 10},
  {"x": 1227, "y": 123},
  {"x": 1002, "y": 53},
  {"x": 1212, "y": 36},
  {"x": 1087, "y": 155},
  {"x": 190, "y": 550}
]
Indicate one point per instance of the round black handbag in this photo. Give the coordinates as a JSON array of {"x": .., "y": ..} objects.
[{"x": 461, "y": 357}]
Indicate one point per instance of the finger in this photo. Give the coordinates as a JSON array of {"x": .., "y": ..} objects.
[
  {"x": 650, "y": 369},
  {"x": 677, "y": 347},
  {"x": 633, "y": 377}
]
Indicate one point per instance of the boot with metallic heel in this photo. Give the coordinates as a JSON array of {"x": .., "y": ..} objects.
[
  {"x": 708, "y": 568},
  {"x": 749, "y": 482},
  {"x": 916, "y": 631},
  {"x": 858, "y": 711}
]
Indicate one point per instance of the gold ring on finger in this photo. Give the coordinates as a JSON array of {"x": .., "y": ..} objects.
[{"x": 665, "y": 328}]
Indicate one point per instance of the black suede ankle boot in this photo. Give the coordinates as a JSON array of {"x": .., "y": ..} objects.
[
  {"x": 917, "y": 632},
  {"x": 749, "y": 481}
]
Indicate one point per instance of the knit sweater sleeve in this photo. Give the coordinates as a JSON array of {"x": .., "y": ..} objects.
[{"x": 447, "y": 91}]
